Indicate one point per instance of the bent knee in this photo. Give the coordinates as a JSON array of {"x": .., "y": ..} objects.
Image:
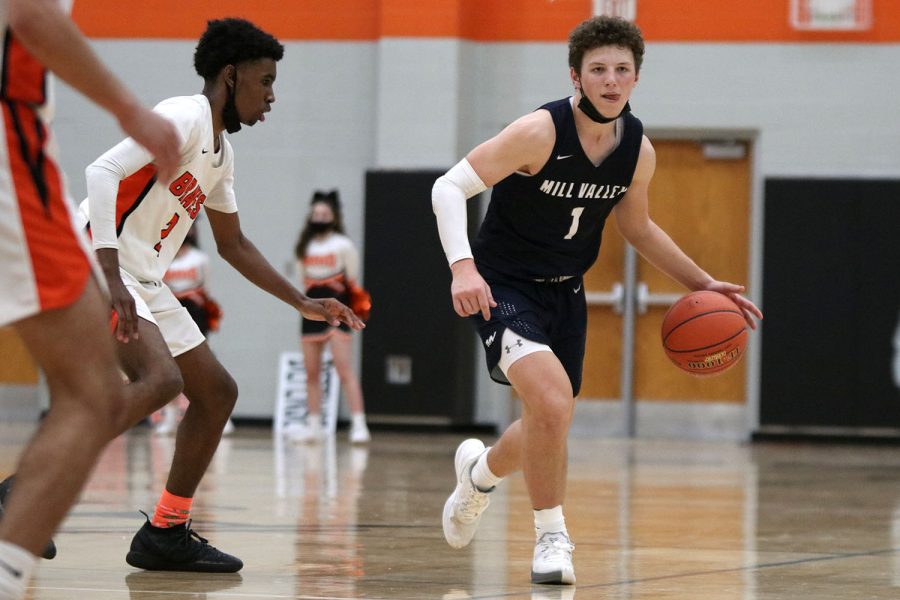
[
  {"x": 217, "y": 394},
  {"x": 229, "y": 390},
  {"x": 169, "y": 382},
  {"x": 551, "y": 412},
  {"x": 96, "y": 412}
]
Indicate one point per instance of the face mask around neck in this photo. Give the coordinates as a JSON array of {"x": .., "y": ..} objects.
[{"x": 593, "y": 114}]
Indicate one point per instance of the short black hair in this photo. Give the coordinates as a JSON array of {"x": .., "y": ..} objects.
[
  {"x": 231, "y": 41},
  {"x": 605, "y": 31}
]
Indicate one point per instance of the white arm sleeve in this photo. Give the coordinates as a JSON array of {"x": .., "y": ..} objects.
[
  {"x": 102, "y": 178},
  {"x": 448, "y": 200}
]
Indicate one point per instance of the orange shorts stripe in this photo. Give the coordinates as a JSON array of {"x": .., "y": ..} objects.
[{"x": 59, "y": 264}]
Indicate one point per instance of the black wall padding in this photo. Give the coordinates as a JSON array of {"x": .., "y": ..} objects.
[
  {"x": 413, "y": 323},
  {"x": 831, "y": 296}
]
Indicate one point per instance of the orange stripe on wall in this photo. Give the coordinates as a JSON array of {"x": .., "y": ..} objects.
[
  {"x": 523, "y": 20},
  {"x": 420, "y": 18},
  {"x": 480, "y": 20},
  {"x": 751, "y": 21},
  {"x": 186, "y": 19}
]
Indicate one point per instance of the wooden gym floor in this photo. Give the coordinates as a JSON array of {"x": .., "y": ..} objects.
[{"x": 651, "y": 520}]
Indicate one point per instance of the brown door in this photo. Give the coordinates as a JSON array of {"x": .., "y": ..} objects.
[{"x": 704, "y": 205}]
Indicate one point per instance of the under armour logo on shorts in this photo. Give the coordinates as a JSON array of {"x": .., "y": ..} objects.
[{"x": 518, "y": 343}]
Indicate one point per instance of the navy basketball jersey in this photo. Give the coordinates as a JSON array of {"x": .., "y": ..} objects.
[{"x": 550, "y": 224}]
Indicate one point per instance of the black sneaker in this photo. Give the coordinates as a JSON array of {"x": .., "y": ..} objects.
[
  {"x": 177, "y": 548},
  {"x": 5, "y": 486}
]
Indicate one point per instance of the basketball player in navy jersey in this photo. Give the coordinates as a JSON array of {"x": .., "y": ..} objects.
[{"x": 557, "y": 174}]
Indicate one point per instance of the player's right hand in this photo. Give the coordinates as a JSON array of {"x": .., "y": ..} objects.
[
  {"x": 750, "y": 311},
  {"x": 159, "y": 136},
  {"x": 471, "y": 293},
  {"x": 123, "y": 305},
  {"x": 332, "y": 312}
]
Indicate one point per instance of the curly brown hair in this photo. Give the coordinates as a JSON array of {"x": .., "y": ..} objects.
[{"x": 605, "y": 31}]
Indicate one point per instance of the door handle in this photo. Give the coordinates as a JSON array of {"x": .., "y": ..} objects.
[
  {"x": 644, "y": 299},
  {"x": 614, "y": 298}
]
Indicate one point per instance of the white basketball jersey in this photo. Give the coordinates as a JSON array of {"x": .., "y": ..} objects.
[
  {"x": 147, "y": 219},
  {"x": 327, "y": 257}
]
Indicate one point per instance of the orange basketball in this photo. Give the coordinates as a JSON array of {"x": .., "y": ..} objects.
[{"x": 704, "y": 333}]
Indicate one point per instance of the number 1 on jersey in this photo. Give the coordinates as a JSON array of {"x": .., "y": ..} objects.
[
  {"x": 576, "y": 217},
  {"x": 165, "y": 232}
]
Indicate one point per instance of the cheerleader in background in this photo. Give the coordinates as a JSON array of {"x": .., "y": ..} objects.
[{"x": 328, "y": 263}]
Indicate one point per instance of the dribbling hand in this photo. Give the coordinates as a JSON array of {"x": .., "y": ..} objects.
[{"x": 734, "y": 291}]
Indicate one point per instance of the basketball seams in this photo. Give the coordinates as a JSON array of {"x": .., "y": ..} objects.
[{"x": 686, "y": 321}]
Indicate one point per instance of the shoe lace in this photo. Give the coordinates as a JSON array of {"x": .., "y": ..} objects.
[
  {"x": 190, "y": 533},
  {"x": 189, "y": 538},
  {"x": 554, "y": 546},
  {"x": 474, "y": 501}
]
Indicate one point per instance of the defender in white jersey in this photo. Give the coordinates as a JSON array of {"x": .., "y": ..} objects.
[
  {"x": 129, "y": 209},
  {"x": 138, "y": 221},
  {"x": 47, "y": 291}
]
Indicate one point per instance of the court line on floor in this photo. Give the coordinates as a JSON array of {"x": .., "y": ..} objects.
[{"x": 761, "y": 566}]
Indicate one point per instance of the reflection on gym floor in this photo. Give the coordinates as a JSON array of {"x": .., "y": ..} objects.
[{"x": 650, "y": 520}]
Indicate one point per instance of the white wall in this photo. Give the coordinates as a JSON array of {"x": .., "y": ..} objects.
[{"x": 342, "y": 108}]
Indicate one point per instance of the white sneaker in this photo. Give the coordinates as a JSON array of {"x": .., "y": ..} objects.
[
  {"x": 359, "y": 434},
  {"x": 464, "y": 507},
  {"x": 305, "y": 433},
  {"x": 553, "y": 559}
]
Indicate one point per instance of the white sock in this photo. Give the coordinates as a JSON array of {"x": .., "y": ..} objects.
[
  {"x": 16, "y": 566},
  {"x": 482, "y": 476},
  {"x": 358, "y": 420},
  {"x": 549, "y": 520}
]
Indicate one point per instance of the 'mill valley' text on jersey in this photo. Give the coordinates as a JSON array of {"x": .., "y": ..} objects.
[{"x": 550, "y": 224}]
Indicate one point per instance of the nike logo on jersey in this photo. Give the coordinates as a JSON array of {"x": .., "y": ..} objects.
[
  {"x": 9, "y": 569},
  {"x": 204, "y": 151},
  {"x": 490, "y": 340},
  {"x": 578, "y": 289},
  {"x": 561, "y": 157}
]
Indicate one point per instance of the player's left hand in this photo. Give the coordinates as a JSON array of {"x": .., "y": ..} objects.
[
  {"x": 331, "y": 311},
  {"x": 734, "y": 291}
]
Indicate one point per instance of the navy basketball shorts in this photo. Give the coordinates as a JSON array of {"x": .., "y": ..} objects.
[
  {"x": 320, "y": 330},
  {"x": 554, "y": 314}
]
